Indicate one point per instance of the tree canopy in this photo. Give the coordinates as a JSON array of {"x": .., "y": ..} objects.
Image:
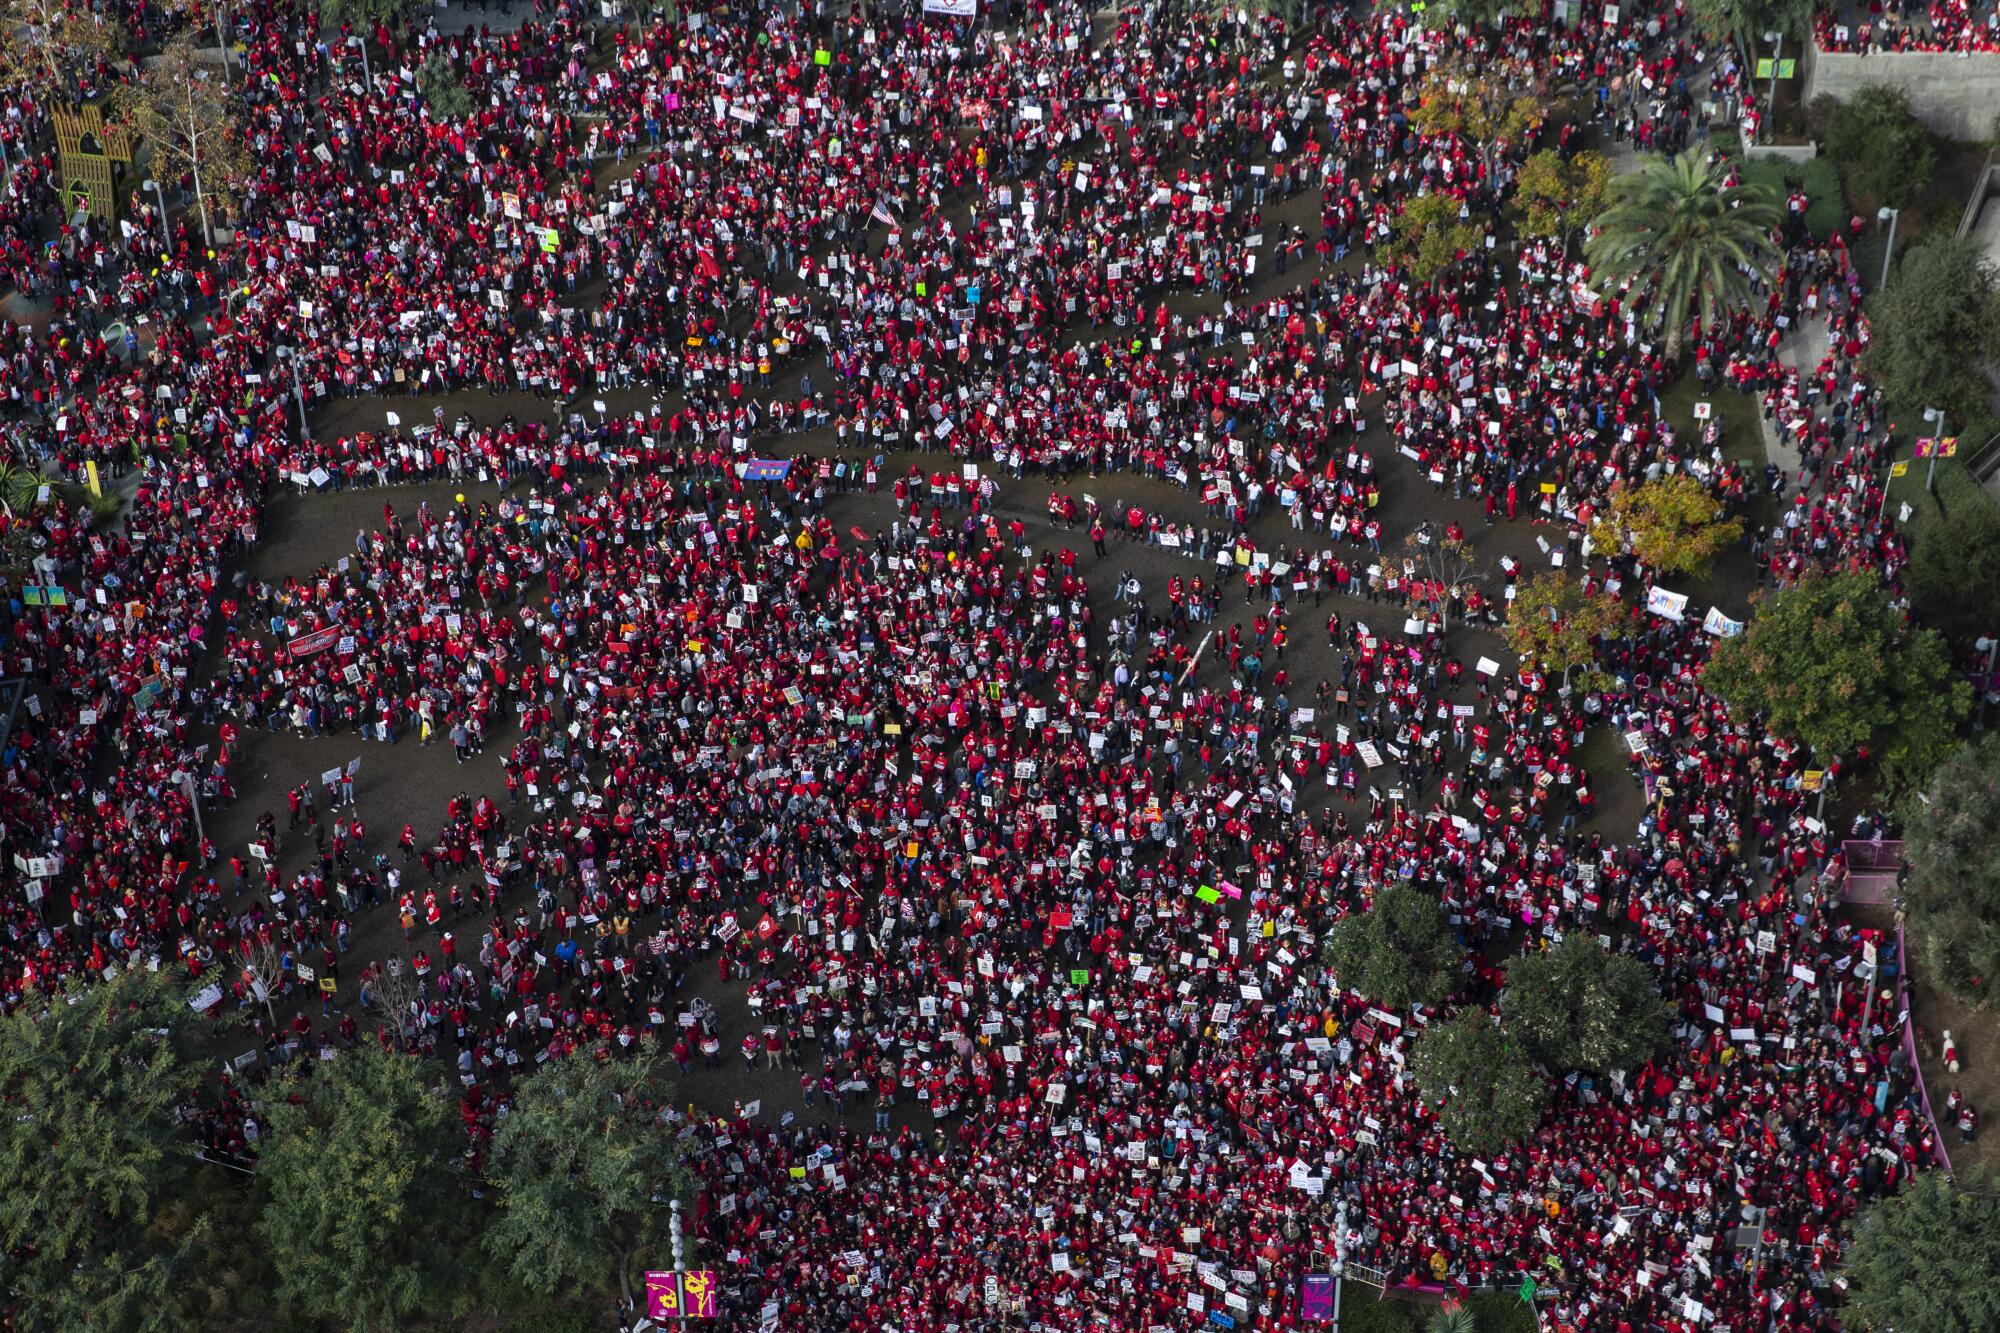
[
  {"x": 1480, "y": 1082},
  {"x": 1935, "y": 329},
  {"x": 1429, "y": 236},
  {"x": 1674, "y": 525},
  {"x": 1927, "y": 1258},
  {"x": 1886, "y": 149},
  {"x": 1954, "y": 570},
  {"x": 1399, "y": 952},
  {"x": 1578, "y": 1007},
  {"x": 364, "y": 1211},
  {"x": 184, "y": 111},
  {"x": 583, "y": 1166},
  {"x": 1554, "y": 625},
  {"x": 1478, "y": 104},
  {"x": 1557, "y": 196},
  {"x": 1953, "y": 890},
  {"x": 1677, "y": 231},
  {"x": 91, "y": 1149},
  {"x": 1746, "y": 20},
  {"x": 1833, "y": 663}
]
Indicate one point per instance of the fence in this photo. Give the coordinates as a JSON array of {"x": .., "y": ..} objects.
[
  {"x": 1872, "y": 868},
  {"x": 1871, "y": 878}
]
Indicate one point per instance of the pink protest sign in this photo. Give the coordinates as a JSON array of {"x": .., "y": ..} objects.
[{"x": 680, "y": 1295}]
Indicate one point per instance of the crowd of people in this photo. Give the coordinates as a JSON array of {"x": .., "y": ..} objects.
[
  {"x": 1039, "y": 886},
  {"x": 1960, "y": 26}
]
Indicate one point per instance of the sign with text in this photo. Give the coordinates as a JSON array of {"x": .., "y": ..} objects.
[{"x": 680, "y": 1295}]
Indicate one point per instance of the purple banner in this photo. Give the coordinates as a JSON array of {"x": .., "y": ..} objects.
[{"x": 1316, "y": 1301}]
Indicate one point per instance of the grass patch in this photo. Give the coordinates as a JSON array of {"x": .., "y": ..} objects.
[
  {"x": 1361, "y": 1311},
  {"x": 1502, "y": 1312},
  {"x": 1954, "y": 488},
  {"x": 1742, "y": 437},
  {"x": 1604, "y": 753}
]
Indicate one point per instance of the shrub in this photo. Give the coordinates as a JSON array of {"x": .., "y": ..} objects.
[{"x": 1882, "y": 142}]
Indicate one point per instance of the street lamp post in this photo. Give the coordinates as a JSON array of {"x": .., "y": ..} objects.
[
  {"x": 286, "y": 354},
  {"x": 1934, "y": 415},
  {"x": 1777, "y": 41},
  {"x": 1991, "y": 645},
  {"x": 166, "y": 236},
  {"x": 1890, "y": 216}
]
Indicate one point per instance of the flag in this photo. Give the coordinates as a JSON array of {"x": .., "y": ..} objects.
[
  {"x": 704, "y": 262},
  {"x": 880, "y": 213}
]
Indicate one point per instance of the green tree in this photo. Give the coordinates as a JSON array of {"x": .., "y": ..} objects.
[
  {"x": 364, "y": 1213},
  {"x": 1578, "y": 1007},
  {"x": 1936, "y": 328},
  {"x": 56, "y": 44},
  {"x": 1399, "y": 952},
  {"x": 1953, "y": 890},
  {"x": 1557, "y": 197},
  {"x": 444, "y": 92},
  {"x": 1745, "y": 21},
  {"x": 1480, "y": 1081},
  {"x": 1927, "y": 1258},
  {"x": 1886, "y": 149},
  {"x": 91, "y": 1152},
  {"x": 1954, "y": 570},
  {"x": 1554, "y": 625},
  {"x": 185, "y": 113},
  {"x": 1441, "y": 15},
  {"x": 1833, "y": 663},
  {"x": 362, "y": 16},
  {"x": 1429, "y": 236},
  {"x": 1677, "y": 231},
  {"x": 583, "y": 1167},
  {"x": 1479, "y": 104},
  {"x": 1675, "y": 525}
]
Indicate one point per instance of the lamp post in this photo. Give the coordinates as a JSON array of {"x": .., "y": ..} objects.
[
  {"x": 1990, "y": 645},
  {"x": 1934, "y": 415},
  {"x": 1890, "y": 216},
  {"x": 290, "y": 357},
  {"x": 674, "y": 1231},
  {"x": 1777, "y": 41},
  {"x": 166, "y": 237}
]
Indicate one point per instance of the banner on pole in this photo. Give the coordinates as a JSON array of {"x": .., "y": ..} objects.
[{"x": 680, "y": 1295}]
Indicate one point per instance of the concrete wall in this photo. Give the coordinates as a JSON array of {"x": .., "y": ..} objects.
[
  {"x": 1957, "y": 96},
  {"x": 1783, "y": 152}
]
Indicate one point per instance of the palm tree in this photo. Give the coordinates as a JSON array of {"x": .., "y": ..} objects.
[
  {"x": 1453, "y": 1317},
  {"x": 1676, "y": 230}
]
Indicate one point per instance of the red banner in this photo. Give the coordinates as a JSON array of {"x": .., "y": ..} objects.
[{"x": 316, "y": 642}]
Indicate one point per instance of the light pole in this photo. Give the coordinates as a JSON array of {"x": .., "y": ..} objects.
[
  {"x": 1777, "y": 41},
  {"x": 674, "y": 1231},
  {"x": 1890, "y": 216},
  {"x": 166, "y": 237},
  {"x": 1991, "y": 645},
  {"x": 1934, "y": 415},
  {"x": 290, "y": 357}
]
